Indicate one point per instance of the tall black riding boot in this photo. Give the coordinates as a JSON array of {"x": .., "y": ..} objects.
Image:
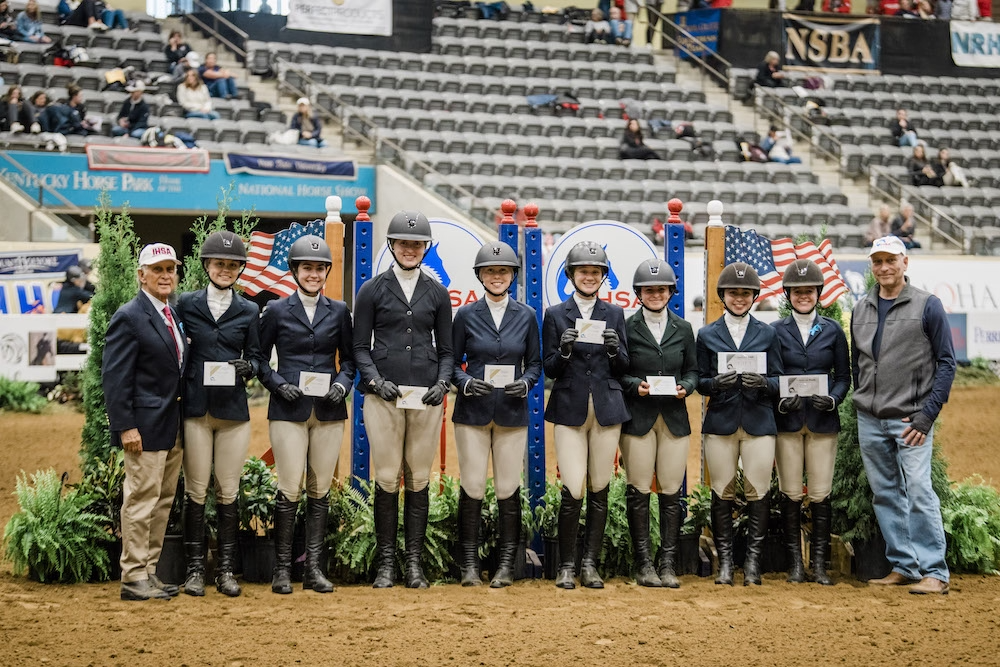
[
  {"x": 722, "y": 533},
  {"x": 386, "y": 525},
  {"x": 757, "y": 512},
  {"x": 415, "y": 508},
  {"x": 225, "y": 581},
  {"x": 469, "y": 513},
  {"x": 284, "y": 528},
  {"x": 317, "y": 516},
  {"x": 670, "y": 539},
  {"x": 637, "y": 510},
  {"x": 510, "y": 539},
  {"x": 791, "y": 522},
  {"x": 569, "y": 528},
  {"x": 194, "y": 547},
  {"x": 820, "y": 542},
  {"x": 597, "y": 520}
]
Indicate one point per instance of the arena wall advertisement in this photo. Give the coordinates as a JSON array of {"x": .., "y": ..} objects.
[
  {"x": 347, "y": 17},
  {"x": 832, "y": 44},
  {"x": 70, "y": 176},
  {"x": 975, "y": 44}
]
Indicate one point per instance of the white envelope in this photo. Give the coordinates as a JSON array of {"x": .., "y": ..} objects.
[
  {"x": 409, "y": 398},
  {"x": 499, "y": 375},
  {"x": 662, "y": 385},
  {"x": 314, "y": 384},
  {"x": 591, "y": 331},
  {"x": 803, "y": 385},
  {"x": 219, "y": 374},
  {"x": 743, "y": 362}
]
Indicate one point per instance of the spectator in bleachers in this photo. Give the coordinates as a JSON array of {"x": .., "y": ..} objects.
[
  {"x": 837, "y": 6},
  {"x": 621, "y": 29},
  {"x": 177, "y": 51},
  {"x": 597, "y": 29},
  {"x": 307, "y": 122},
  {"x": 903, "y": 226},
  {"x": 949, "y": 172},
  {"x": 653, "y": 10},
  {"x": 881, "y": 225},
  {"x": 924, "y": 9},
  {"x": 193, "y": 95},
  {"x": 220, "y": 82},
  {"x": 942, "y": 10},
  {"x": 964, "y": 10},
  {"x": 769, "y": 72},
  {"x": 633, "y": 147},
  {"x": 90, "y": 124},
  {"x": 906, "y": 10},
  {"x": 133, "y": 119},
  {"x": 921, "y": 171},
  {"x": 8, "y": 23},
  {"x": 985, "y": 8},
  {"x": 18, "y": 113},
  {"x": 74, "y": 293},
  {"x": 89, "y": 14},
  {"x": 902, "y": 129},
  {"x": 39, "y": 102},
  {"x": 778, "y": 146},
  {"x": 29, "y": 24},
  {"x": 265, "y": 8}
]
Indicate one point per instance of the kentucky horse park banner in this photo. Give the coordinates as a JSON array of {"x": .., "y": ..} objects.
[
  {"x": 831, "y": 43},
  {"x": 347, "y": 17},
  {"x": 975, "y": 44}
]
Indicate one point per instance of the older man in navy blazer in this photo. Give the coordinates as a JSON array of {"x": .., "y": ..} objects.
[{"x": 143, "y": 364}]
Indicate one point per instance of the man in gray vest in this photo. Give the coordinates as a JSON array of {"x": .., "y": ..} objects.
[{"x": 904, "y": 364}]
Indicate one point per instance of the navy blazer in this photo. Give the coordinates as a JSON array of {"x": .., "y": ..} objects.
[
  {"x": 673, "y": 355},
  {"x": 732, "y": 408},
  {"x": 235, "y": 335},
  {"x": 588, "y": 371},
  {"x": 140, "y": 375},
  {"x": 412, "y": 339},
  {"x": 477, "y": 341},
  {"x": 305, "y": 346},
  {"x": 825, "y": 353}
]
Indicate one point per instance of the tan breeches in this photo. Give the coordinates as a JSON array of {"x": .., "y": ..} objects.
[
  {"x": 586, "y": 454},
  {"x": 817, "y": 451},
  {"x": 723, "y": 454},
  {"x": 475, "y": 443},
  {"x": 312, "y": 447},
  {"x": 402, "y": 442},
  {"x": 225, "y": 443},
  {"x": 658, "y": 451},
  {"x": 148, "y": 493}
]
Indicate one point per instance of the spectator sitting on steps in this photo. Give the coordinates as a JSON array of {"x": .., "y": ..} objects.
[
  {"x": 633, "y": 147},
  {"x": 902, "y": 129},
  {"x": 220, "y": 82},
  {"x": 903, "y": 226},
  {"x": 597, "y": 29},
  {"x": 769, "y": 72},
  {"x": 778, "y": 146}
]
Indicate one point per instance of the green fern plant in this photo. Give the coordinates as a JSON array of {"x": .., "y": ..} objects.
[
  {"x": 442, "y": 530},
  {"x": 53, "y": 537},
  {"x": 546, "y": 513},
  {"x": 103, "y": 484},
  {"x": 352, "y": 536},
  {"x": 18, "y": 396},
  {"x": 972, "y": 523}
]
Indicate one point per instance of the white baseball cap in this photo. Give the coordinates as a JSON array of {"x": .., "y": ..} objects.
[
  {"x": 890, "y": 244},
  {"x": 302, "y": 100},
  {"x": 155, "y": 253},
  {"x": 136, "y": 86}
]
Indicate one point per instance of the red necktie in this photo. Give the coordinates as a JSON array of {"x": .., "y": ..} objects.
[{"x": 173, "y": 336}]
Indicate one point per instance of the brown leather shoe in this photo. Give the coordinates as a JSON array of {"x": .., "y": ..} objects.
[
  {"x": 930, "y": 586},
  {"x": 894, "y": 579}
]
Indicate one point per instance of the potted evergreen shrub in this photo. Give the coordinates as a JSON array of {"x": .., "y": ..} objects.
[
  {"x": 698, "y": 518},
  {"x": 258, "y": 490},
  {"x": 547, "y": 522}
]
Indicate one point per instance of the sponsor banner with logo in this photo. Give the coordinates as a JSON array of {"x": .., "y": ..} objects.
[
  {"x": 831, "y": 44},
  {"x": 38, "y": 263},
  {"x": 136, "y": 158},
  {"x": 703, "y": 25},
  {"x": 449, "y": 260},
  {"x": 28, "y": 346},
  {"x": 982, "y": 336},
  {"x": 347, "y": 17},
  {"x": 71, "y": 176},
  {"x": 975, "y": 44},
  {"x": 295, "y": 167}
]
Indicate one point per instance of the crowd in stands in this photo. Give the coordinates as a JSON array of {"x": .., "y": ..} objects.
[{"x": 901, "y": 225}]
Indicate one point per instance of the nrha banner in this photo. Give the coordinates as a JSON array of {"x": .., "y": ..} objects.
[
  {"x": 975, "y": 44},
  {"x": 347, "y": 17},
  {"x": 831, "y": 44}
]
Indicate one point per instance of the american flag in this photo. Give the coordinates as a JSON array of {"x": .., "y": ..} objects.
[
  {"x": 769, "y": 259},
  {"x": 267, "y": 259}
]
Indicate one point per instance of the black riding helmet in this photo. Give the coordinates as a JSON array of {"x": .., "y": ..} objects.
[
  {"x": 408, "y": 226},
  {"x": 738, "y": 275},
  {"x": 495, "y": 253},
  {"x": 653, "y": 273}
]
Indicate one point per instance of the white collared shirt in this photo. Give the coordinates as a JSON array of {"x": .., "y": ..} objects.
[
  {"x": 656, "y": 322},
  {"x": 219, "y": 300},
  {"x": 805, "y": 324},
  {"x": 407, "y": 279},
  {"x": 497, "y": 309},
  {"x": 160, "y": 307},
  {"x": 737, "y": 327},
  {"x": 586, "y": 306},
  {"x": 309, "y": 303}
]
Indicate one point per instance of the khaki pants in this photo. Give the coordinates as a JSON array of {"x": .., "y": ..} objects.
[
  {"x": 148, "y": 493},
  {"x": 312, "y": 447},
  {"x": 586, "y": 454},
  {"x": 402, "y": 441},
  {"x": 723, "y": 454},
  {"x": 225, "y": 443},
  {"x": 474, "y": 444},
  {"x": 658, "y": 451},
  {"x": 818, "y": 451}
]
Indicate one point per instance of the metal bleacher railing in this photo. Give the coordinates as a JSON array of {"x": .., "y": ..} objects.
[
  {"x": 66, "y": 206},
  {"x": 219, "y": 27}
]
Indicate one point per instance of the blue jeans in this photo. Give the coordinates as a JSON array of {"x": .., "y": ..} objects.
[
  {"x": 222, "y": 87},
  {"x": 207, "y": 115},
  {"x": 115, "y": 18},
  {"x": 315, "y": 143},
  {"x": 119, "y": 131},
  {"x": 907, "y": 509},
  {"x": 908, "y": 138}
]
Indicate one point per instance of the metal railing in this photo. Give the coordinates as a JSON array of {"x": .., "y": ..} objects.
[
  {"x": 940, "y": 224},
  {"x": 67, "y": 207},
  {"x": 213, "y": 25},
  {"x": 706, "y": 68}
]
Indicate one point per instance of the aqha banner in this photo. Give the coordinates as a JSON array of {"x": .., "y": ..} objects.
[
  {"x": 347, "y": 17},
  {"x": 975, "y": 44},
  {"x": 832, "y": 44}
]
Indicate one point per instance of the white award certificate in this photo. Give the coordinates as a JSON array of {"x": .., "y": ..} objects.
[
  {"x": 662, "y": 385},
  {"x": 743, "y": 362},
  {"x": 219, "y": 374},
  {"x": 591, "y": 331},
  {"x": 499, "y": 375},
  {"x": 314, "y": 384},
  {"x": 803, "y": 385},
  {"x": 409, "y": 398}
]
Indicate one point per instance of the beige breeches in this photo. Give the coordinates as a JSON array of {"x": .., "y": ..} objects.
[
  {"x": 658, "y": 451},
  {"x": 148, "y": 492},
  {"x": 312, "y": 447},
  {"x": 475, "y": 443},
  {"x": 225, "y": 443},
  {"x": 402, "y": 442},
  {"x": 723, "y": 454},
  {"x": 586, "y": 454},
  {"x": 817, "y": 451}
]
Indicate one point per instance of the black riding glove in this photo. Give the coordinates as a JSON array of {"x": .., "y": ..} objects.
[
  {"x": 243, "y": 368},
  {"x": 724, "y": 381},
  {"x": 566, "y": 341},
  {"x": 824, "y": 403},
  {"x": 336, "y": 394},
  {"x": 288, "y": 392},
  {"x": 611, "y": 342},
  {"x": 435, "y": 395},
  {"x": 516, "y": 389},
  {"x": 387, "y": 391},
  {"x": 921, "y": 423},
  {"x": 790, "y": 404},
  {"x": 754, "y": 380},
  {"x": 477, "y": 387}
]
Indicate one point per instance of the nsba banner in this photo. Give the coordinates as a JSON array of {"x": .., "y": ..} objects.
[
  {"x": 975, "y": 44},
  {"x": 347, "y": 17},
  {"x": 833, "y": 44}
]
